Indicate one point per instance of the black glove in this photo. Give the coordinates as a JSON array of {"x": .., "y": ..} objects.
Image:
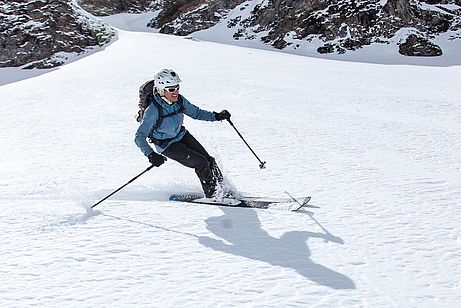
[
  {"x": 156, "y": 159},
  {"x": 223, "y": 115}
]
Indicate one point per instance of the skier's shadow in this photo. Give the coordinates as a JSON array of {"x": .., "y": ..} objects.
[{"x": 242, "y": 230}]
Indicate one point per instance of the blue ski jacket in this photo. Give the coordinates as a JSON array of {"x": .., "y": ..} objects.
[{"x": 171, "y": 129}]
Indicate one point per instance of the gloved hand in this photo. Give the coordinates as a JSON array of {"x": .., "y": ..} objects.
[
  {"x": 156, "y": 159},
  {"x": 223, "y": 115}
]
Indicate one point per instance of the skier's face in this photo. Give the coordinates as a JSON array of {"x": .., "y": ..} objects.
[{"x": 172, "y": 93}]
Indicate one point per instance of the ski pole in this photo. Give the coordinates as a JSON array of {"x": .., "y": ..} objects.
[
  {"x": 115, "y": 191},
  {"x": 262, "y": 164}
]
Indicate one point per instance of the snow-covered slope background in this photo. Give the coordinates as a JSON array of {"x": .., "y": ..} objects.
[{"x": 377, "y": 146}]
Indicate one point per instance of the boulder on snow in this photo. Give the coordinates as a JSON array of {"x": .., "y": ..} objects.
[{"x": 419, "y": 46}]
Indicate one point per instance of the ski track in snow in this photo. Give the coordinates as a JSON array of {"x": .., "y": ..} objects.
[{"x": 378, "y": 147}]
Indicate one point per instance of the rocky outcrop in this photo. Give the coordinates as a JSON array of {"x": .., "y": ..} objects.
[
  {"x": 39, "y": 33},
  {"x": 185, "y": 17},
  {"x": 111, "y": 7},
  {"x": 342, "y": 25}
]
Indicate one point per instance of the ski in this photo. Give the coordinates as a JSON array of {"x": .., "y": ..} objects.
[
  {"x": 243, "y": 202},
  {"x": 192, "y": 196},
  {"x": 225, "y": 202}
]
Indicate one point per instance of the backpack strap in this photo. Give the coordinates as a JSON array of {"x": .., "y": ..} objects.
[
  {"x": 181, "y": 104},
  {"x": 162, "y": 116}
]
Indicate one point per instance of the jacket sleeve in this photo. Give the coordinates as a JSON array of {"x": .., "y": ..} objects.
[
  {"x": 145, "y": 129},
  {"x": 197, "y": 113}
]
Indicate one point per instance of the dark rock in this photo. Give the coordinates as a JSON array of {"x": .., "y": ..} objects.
[
  {"x": 418, "y": 46},
  {"x": 327, "y": 48},
  {"x": 111, "y": 7},
  {"x": 184, "y": 17},
  {"x": 400, "y": 9}
]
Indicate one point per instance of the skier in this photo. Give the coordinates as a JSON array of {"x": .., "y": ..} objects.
[{"x": 162, "y": 124}]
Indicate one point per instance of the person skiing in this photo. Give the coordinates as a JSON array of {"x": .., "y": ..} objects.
[{"x": 162, "y": 124}]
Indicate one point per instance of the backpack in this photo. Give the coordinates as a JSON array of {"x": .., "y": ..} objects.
[{"x": 146, "y": 97}]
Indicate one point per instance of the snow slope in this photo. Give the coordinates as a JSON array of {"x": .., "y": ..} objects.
[{"x": 378, "y": 147}]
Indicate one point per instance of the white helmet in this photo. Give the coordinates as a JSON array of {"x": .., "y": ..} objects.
[{"x": 165, "y": 78}]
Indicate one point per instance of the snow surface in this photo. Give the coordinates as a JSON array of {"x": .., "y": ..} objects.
[
  {"x": 377, "y": 146},
  {"x": 132, "y": 22}
]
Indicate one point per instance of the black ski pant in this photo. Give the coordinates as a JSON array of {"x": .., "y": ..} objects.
[{"x": 190, "y": 153}]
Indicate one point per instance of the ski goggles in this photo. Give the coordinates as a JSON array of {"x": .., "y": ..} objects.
[{"x": 172, "y": 89}]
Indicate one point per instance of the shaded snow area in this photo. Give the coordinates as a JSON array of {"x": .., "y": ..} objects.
[
  {"x": 377, "y": 147},
  {"x": 131, "y": 22}
]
